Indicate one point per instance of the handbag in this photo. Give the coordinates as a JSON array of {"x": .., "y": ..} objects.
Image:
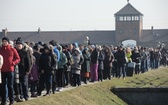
[{"x": 131, "y": 64}]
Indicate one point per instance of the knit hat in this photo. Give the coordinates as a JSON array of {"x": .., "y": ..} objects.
[
  {"x": 77, "y": 49},
  {"x": 121, "y": 46},
  {"x": 19, "y": 41},
  {"x": 52, "y": 42},
  {"x": 6, "y": 38},
  {"x": 64, "y": 47},
  {"x": 36, "y": 47},
  {"x": 93, "y": 46},
  {"x": 47, "y": 47}
]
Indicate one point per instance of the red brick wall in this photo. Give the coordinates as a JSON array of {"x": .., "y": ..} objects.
[{"x": 127, "y": 30}]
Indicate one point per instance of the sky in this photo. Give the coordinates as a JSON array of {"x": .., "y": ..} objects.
[{"x": 74, "y": 15}]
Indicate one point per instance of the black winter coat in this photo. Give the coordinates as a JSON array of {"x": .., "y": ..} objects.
[
  {"x": 120, "y": 56},
  {"x": 25, "y": 62},
  {"x": 47, "y": 62},
  {"x": 152, "y": 55},
  {"x": 37, "y": 56},
  {"x": 136, "y": 57},
  {"x": 101, "y": 59},
  {"x": 94, "y": 57}
]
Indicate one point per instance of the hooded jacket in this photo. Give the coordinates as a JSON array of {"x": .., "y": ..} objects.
[
  {"x": 78, "y": 61},
  {"x": 63, "y": 59},
  {"x": 10, "y": 58}
]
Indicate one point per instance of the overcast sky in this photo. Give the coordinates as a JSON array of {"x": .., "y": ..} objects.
[{"x": 66, "y": 15}]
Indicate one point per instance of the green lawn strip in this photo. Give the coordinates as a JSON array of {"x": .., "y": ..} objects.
[{"x": 100, "y": 93}]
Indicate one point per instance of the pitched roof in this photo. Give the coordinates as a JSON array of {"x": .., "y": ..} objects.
[
  {"x": 128, "y": 10},
  {"x": 158, "y": 35},
  {"x": 97, "y": 37}
]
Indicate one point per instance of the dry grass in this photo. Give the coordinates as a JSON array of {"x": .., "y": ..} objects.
[{"x": 100, "y": 93}]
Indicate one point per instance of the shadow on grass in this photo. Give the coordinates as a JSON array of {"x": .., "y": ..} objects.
[
  {"x": 144, "y": 83},
  {"x": 142, "y": 96}
]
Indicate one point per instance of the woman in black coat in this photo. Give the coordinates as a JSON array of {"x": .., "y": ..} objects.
[
  {"x": 136, "y": 58},
  {"x": 47, "y": 65},
  {"x": 109, "y": 58},
  {"x": 101, "y": 64}
]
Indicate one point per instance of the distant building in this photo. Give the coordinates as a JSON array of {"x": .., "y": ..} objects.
[{"x": 128, "y": 26}]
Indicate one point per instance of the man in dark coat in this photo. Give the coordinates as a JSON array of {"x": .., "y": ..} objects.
[
  {"x": 121, "y": 62},
  {"x": 24, "y": 68},
  {"x": 47, "y": 65}
]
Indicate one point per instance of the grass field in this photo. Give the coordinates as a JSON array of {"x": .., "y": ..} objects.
[{"x": 100, "y": 93}]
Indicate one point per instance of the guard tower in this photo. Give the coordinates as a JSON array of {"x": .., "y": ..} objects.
[{"x": 128, "y": 24}]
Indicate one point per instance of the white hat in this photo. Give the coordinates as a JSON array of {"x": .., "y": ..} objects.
[
  {"x": 93, "y": 46},
  {"x": 87, "y": 37}
]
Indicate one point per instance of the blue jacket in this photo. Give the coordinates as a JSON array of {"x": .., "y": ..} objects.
[{"x": 56, "y": 51}]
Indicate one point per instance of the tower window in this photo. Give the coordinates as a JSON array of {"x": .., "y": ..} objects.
[
  {"x": 133, "y": 18},
  {"x": 121, "y": 18},
  {"x": 125, "y": 18},
  {"x": 136, "y": 17},
  {"x": 128, "y": 18}
]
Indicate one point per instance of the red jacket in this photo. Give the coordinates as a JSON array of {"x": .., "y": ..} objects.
[{"x": 10, "y": 57}]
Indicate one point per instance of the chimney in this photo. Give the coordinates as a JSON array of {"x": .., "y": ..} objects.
[
  {"x": 152, "y": 31},
  {"x": 4, "y": 32},
  {"x": 39, "y": 30}
]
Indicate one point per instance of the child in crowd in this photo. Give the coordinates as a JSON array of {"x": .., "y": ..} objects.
[{"x": 33, "y": 78}]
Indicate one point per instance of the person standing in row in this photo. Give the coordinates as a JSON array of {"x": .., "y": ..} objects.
[
  {"x": 24, "y": 68},
  {"x": 47, "y": 64},
  {"x": 94, "y": 64},
  {"x": 101, "y": 63},
  {"x": 60, "y": 72},
  {"x": 121, "y": 62},
  {"x": 86, "y": 65},
  {"x": 76, "y": 66},
  {"x": 11, "y": 58},
  {"x": 109, "y": 58},
  {"x": 136, "y": 57}
]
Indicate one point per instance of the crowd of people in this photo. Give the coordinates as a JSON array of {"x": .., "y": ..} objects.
[{"x": 35, "y": 67}]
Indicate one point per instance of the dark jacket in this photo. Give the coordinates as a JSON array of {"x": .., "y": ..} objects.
[
  {"x": 152, "y": 55},
  {"x": 109, "y": 57},
  {"x": 120, "y": 56},
  {"x": 101, "y": 59},
  {"x": 47, "y": 62},
  {"x": 25, "y": 62},
  {"x": 86, "y": 63},
  {"x": 37, "y": 56},
  {"x": 136, "y": 57},
  {"x": 94, "y": 57}
]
